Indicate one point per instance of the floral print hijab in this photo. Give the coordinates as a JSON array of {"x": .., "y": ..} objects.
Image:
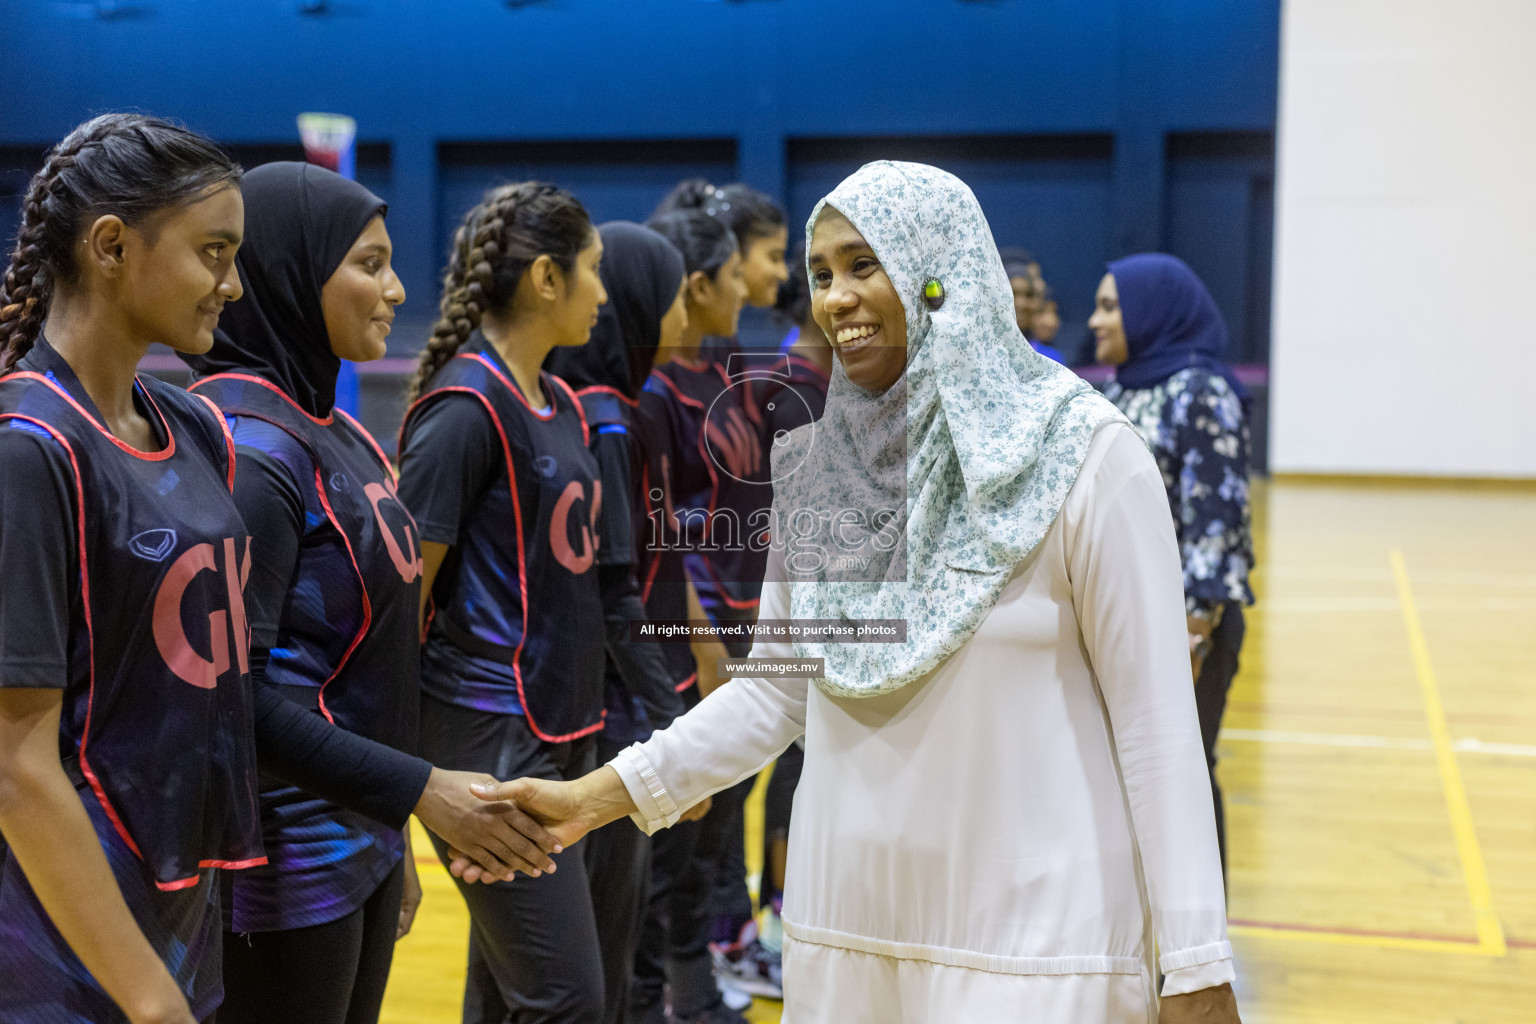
[{"x": 967, "y": 458}]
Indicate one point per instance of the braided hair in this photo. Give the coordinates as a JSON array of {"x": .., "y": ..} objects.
[
  {"x": 493, "y": 247},
  {"x": 129, "y": 165},
  {"x": 749, "y": 214}
]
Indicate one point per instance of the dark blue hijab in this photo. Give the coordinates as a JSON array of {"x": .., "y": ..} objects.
[{"x": 1171, "y": 322}]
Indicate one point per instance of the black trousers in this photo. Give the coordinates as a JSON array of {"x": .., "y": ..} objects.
[
  {"x": 672, "y": 858},
  {"x": 1211, "y": 690},
  {"x": 674, "y": 943},
  {"x": 618, "y": 858},
  {"x": 730, "y": 901},
  {"x": 332, "y": 973},
  {"x": 534, "y": 955}
]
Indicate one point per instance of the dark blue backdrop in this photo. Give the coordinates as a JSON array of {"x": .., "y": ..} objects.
[{"x": 1089, "y": 128}]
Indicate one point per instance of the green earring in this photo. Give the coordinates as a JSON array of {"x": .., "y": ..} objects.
[{"x": 933, "y": 293}]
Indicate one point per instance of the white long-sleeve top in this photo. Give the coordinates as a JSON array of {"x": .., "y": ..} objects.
[{"x": 1037, "y": 807}]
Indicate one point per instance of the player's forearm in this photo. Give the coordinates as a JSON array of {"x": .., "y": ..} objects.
[
  {"x": 54, "y": 843},
  {"x": 432, "y": 556}
]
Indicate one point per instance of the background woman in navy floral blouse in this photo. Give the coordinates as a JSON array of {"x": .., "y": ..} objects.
[{"x": 1156, "y": 323}]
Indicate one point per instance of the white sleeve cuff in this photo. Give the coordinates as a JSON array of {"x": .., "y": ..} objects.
[
  {"x": 655, "y": 808},
  {"x": 1190, "y": 970}
]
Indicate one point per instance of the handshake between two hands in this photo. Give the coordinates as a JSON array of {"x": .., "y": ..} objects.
[{"x": 496, "y": 829}]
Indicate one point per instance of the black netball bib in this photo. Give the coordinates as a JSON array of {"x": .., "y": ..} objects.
[
  {"x": 367, "y": 681},
  {"x": 644, "y": 536},
  {"x": 719, "y": 482},
  {"x": 157, "y": 714},
  {"x": 524, "y": 589}
]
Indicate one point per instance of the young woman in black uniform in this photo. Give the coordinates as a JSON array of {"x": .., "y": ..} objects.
[
  {"x": 762, "y": 235},
  {"x": 794, "y": 395},
  {"x": 801, "y": 380},
  {"x": 700, "y": 423},
  {"x": 122, "y": 620},
  {"x": 332, "y": 596},
  {"x": 758, "y": 223},
  {"x": 496, "y": 470},
  {"x": 643, "y": 275},
  {"x": 714, "y": 462},
  {"x": 127, "y": 762}
]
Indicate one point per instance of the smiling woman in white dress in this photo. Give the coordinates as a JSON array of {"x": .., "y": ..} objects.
[{"x": 1006, "y": 816}]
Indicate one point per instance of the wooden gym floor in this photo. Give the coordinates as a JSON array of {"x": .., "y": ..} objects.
[{"x": 1379, "y": 761}]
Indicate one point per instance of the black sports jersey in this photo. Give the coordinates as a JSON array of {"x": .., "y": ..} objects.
[
  {"x": 659, "y": 566},
  {"x": 791, "y": 398},
  {"x": 345, "y": 645},
  {"x": 517, "y": 614},
  {"x": 162, "y": 556},
  {"x": 608, "y": 412},
  {"x": 41, "y": 978},
  {"x": 719, "y": 483},
  {"x": 156, "y": 722},
  {"x": 350, "y": 623},
  {"x": 640, "y": 684}
]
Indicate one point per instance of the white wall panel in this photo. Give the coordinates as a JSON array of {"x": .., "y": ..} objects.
[{"x": 1405, "y": 263}]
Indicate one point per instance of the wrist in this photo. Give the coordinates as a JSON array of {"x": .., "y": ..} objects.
[
  {"x": 602, "y": 797},
  {"x": 431, "y": 796}
]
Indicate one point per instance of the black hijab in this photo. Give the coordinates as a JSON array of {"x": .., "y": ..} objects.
[
  {"x": 300, "y": 223},
  {"x": 641, "y": 272}
]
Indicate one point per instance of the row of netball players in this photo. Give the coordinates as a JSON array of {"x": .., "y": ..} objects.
[
  {"x": 657, "y": 451},
  {"x": 195, "y": 582}
]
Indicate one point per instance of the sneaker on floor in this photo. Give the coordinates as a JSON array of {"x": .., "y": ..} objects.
[
  {"x": 751, "y": 967},
  {"x": 732, "y": 996}
]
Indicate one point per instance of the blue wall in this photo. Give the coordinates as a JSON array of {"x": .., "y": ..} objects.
[{"x": 1089, "y": 128}]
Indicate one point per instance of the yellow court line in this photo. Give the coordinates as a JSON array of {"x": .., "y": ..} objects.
[{"x": 1490, "y": 934}]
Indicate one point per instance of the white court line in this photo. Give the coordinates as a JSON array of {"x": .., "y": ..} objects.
[
  {"x": 1272, "y": 605},
  {"x": 1454, "y": 579},
  {"x": 1470, "y": 745}
]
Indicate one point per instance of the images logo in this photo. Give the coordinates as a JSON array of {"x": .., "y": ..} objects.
[{"x": 731, "y": 441}]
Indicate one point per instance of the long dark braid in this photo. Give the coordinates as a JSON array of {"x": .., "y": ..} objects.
[
  {"x": 27, "y": 291},
  {"x": 124, "y": 164},
  {"x": 496, "y": 243}
]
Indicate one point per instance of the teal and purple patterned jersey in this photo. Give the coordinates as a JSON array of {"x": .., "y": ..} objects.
[
  {"x": 517, "y": 617},
  {"x": 718, "y": 482},
  {"x": 156, "y": 722},
  {"x": 338, "y": 622}
]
